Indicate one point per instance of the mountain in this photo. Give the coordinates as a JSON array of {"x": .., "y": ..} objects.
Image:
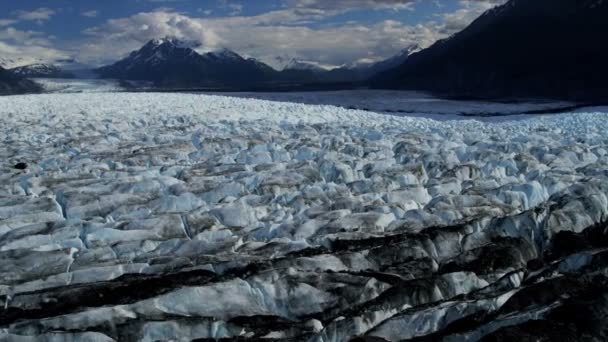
[
  {"x": 364, "y": 71},
  {"x": 392, "y": 62},
  {"x": 173, "y": 63},
  {"x": 15, "y": 62},
  {"x": 13, "y": 84},
  {"x": 42, "y": 71},
  {"x": 282, "y": 63},
  {"x": 540, "y": 48},
  {"x": 7, "y": 62},
  {"x": 296, "y": 64}
]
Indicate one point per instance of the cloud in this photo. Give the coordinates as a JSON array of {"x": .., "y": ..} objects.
[
  {"x": 236, "y": 9},
  {"x": 7, "y": 22},
  {"x": 39, "y": 15},
  {"x": 90, "y": 14},
  {"x": 31, "y": 38},
  {"x": 27, "y": 47},
  {"x": 471, "y": 9},
  {"x": 348, "y": 5},
  {"x": 274, "y": 34},
  {"x": 286, "y": 31}
]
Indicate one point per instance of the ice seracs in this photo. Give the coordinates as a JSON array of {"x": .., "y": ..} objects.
[{"x": 154, "y": 216}]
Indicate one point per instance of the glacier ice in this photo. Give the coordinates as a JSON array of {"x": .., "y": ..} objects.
[{"x": 181, "y": 216}]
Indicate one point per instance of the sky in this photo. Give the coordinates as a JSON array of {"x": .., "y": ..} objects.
[{"x": 327, "y": 32}]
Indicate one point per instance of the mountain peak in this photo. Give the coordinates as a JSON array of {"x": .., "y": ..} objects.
[
  {"x": 172, "y": 62},
  {"x": 286, "y": 62},
  {"x": 484, "y": 59},
  {"x": 225, "y": 53},
  {"x": 174, "y": 42}
]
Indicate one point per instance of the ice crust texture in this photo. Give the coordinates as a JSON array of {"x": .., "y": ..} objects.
[{"x": 177, "y": 217}]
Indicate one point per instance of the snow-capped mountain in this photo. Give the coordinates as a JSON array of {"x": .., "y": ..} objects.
[
  {"x": 296, "y": 64},
  {"x": 171, "y": 62},
  {"x": 394, "y": 61},
  {"x": 517, "y": 50},
  {"x": 224, "y": 55},
  {"x": 361, "y": 71},
  {"x": 156, "y": 52},
  {"x": 15, "y": 62},
  {"x": 13, "y": 84},
  {"x": 282, "y": 63},
  {"x": 41, "y": 71},
  {"x": 388, "y": 63},
  {"x": 6, "y": 62}
]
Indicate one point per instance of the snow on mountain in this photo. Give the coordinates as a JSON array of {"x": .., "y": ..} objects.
[
  {"x": 156, "y": 52},
  {"x": 362, "y": 70},
  {"x": 278, "y": 63},
  {"x": 67, "y": 64},
  {"x": 41, "y": 71},
  {"x": 160, "y": 217},
  {"x": 178, "y": 43},
  {"x": 394, "y": 61},
  {"x": 282, "y": 63},
  {"x": 10, "y": 63},
  {"x": 6, "y": 63},
  {"x": 224, "y": 54},
  {"x": 171, "y": 62},
  {"x": 296, "y": 64}
]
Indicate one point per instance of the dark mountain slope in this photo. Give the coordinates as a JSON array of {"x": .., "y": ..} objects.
[
  {"x": 531, "y": 48},
  {"x": 13, "y": 84}
]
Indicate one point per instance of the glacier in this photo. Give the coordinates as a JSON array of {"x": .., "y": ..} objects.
[{"x": 156, "y": 216}]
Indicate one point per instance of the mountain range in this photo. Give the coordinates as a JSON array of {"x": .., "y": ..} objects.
[
  {"x": 282, "y": 63},
  {"x": 363, "y": 72},
  {"x": 170, "y": 62},
  {"x": 174, "y": 63},
  {"x": 524, "y": 48},
  {"x": 41, "y": 71}
]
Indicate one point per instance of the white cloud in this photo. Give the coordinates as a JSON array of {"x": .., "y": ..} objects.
[
  {"x": 39, "y": 15},
  {"x": 7, "y": 22},
  {"x": 236, "y": 9},
  {"x": 348, "y": 5},
  {"x": 24, "y": 37},
  {"x": 90, "y": 14},
  {"x": 265, "y": 36},
  {"x": 27, "y": 47},
  {"x": 471, "y": 10},
  {"x": 18, "y": 54}
]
